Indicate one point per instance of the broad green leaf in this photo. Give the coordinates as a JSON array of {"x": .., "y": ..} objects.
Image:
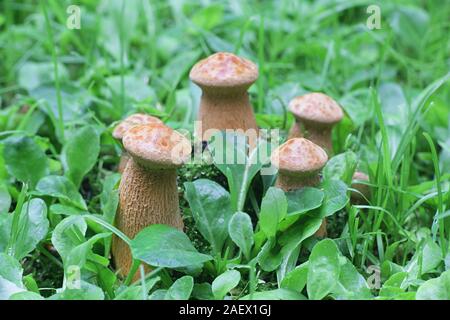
[
  {"x": 270, "y": 256},
  {"x": 26, "y": 295},
  {"x": 202, "y": 291},
  {"x": 80, "y": 154},
  {"x": 295, "y": 280},
  {"x": 33, "y": 74},
  {"x": 273, "y": 210},
  {"x": 5, "y": 199},
  {"x": 159, "y": 294},
  {"x": 289, "y": 258},
  {"x": 435, "y": 289},
  {"x": 340, "y": 167},
  {"x": 5, "y": 230},
  {"x": 87, "y": 291},
  {"x": 163, "y": 246},
  {"x": 240, "y": 229},
  {"x": 277, "y": 294},
  {"x": 225, "y": 282},
  {"x": 10, "y": 276},
  {"x": 208, "y": 17},
  {"x": 180, "y": 289},
  {"x": 351, "y": 284},
  {"x": 410, "y": 23},
  {"x": 24, "y": 159},
  {"x": 335, "y": 197},
  {"x": 62, "y": 188},
  {"x": 302, "y": 229},
  {"x": 323, "y": 269},
  {"x": 68, "y": 234},
  {"x": 291, "y": 239},
  {"x": 210, "y": 205},
  {"x": 33, "y": 227},
  {"x": 303, "y": 200},
  {"x": 393, "y": 287},
  {"x": 65, "y": 210},
  {"x": 135, "y": 292},
  {"x": 432, "y": 256}
]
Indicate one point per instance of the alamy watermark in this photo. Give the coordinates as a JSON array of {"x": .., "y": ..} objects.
[
  {"x": 374, "y": 279},
  {"x": 374, "y": 20},
  {"x": 73, "y": 277},
  {"x": 74, "y": 19}
]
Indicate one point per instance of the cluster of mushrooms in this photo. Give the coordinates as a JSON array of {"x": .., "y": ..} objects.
[{"x": 153, "y": 152}]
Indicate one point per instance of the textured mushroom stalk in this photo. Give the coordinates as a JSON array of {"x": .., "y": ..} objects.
[
  {"x": 125, "y": 125},
  {"x": 224, "y": 79},
  {"x": 148, "y": 189},
  {"x": 363, "y": 189},
  {"x": 299, "y": 162},
  {"x": 315, "y": 114}
]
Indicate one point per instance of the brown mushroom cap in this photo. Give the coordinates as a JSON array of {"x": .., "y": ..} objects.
[
  {"x": 316, "y": 107},
  {"x": 224, "y": 69},
  {"x": 360, "y": 176},
  {"x": 132, "y": 121},
  {"x": 157, "y": 146},
  {"x": 299, "y": 156}
]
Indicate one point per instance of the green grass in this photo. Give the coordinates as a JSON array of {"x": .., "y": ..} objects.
[{"x": 61, "y": 86}]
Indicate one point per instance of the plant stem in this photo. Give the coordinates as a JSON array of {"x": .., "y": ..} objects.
[{"x": 55, "y": 72}]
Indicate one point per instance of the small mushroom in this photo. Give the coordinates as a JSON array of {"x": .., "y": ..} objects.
[
  {"x": 299, "y": 162},
  {"x": 362, "y": 192},
  {"x": 148, "y": 190},
  {"x": 125, "y": 125},
  {"x": 224, "y": 79},
  {"x": 315, "y": 114}
]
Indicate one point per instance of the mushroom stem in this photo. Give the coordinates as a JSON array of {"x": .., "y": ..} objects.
[
  {"x": 289, "y": 183},
  {"x": 147, "y": 196},
  {"x": 319, "y": 135},
  {"x": 230, "y": 109}
]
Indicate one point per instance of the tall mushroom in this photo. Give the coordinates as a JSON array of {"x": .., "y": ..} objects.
[
  {"x": 299, "y": 162},
  {"x": 148, "y": 189},
  {"x": 315, "y": 114},
  {"x": 125, "y": 125},
  {"x": 224, "y": 79}
]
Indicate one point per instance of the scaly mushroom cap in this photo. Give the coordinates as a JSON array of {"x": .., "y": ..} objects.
[
  {"x": 157, "y": 146},
  {"x": 224, "y": 69},
  {"x": 299, "y": 156},
  {"x": 360, "y": 176},
  {"x": 132, "y": 121},
  {"x": 316, "y": 107}
]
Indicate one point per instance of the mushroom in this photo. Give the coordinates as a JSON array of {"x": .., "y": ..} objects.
[
  {"x": 299, "y": 162},
  {"x": 224, "y": 79},
  {"x": 148, "y": 190},
  {"x": 362, "y": 192},
  {"x": 127, "y": 124},
  {"x": 315, "y": 114}
]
